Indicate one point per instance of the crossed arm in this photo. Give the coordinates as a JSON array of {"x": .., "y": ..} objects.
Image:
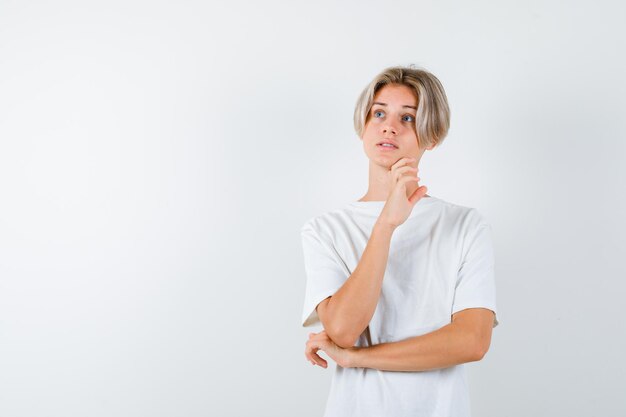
[
  {"x": 465, "y": 339},
  {"x": 347, "y": 313}
]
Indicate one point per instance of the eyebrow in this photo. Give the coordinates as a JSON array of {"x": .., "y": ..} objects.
[{"x": 384, "y": 104}]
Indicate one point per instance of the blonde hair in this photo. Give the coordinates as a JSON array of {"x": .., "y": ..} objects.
[{"x": 432, "y": 119}]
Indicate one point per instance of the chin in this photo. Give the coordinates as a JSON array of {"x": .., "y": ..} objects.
[{"x": 384, "y": 161}]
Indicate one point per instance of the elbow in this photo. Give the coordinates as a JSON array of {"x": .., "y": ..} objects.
[
  {"x": 478, "y": 355},
  {"x": 346, "y": 342},
  {"x": 342, "y": 338},
  {"x": 481, "y": 348},
  {"x": 338, "y": 331}
]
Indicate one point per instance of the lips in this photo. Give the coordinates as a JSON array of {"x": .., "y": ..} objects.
[{"x": 390, "y": 142}]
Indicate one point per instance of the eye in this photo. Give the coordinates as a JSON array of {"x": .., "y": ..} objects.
[
  {"x": 410, "y": 118},
  {"x": 378, "y": 111}
]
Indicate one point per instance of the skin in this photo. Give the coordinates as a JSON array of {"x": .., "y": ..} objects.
[
  {"x": 393, "y": 178},
  {"x": 390, "y": 120},
  {"x": 465, "y": 339}
]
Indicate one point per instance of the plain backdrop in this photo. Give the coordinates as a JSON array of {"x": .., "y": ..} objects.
[{"x": 157, "y": 160}]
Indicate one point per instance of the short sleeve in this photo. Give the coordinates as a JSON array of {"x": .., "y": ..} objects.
[
  {"x": 475, "y": 286},
  {"x": 325, "y": 273}
]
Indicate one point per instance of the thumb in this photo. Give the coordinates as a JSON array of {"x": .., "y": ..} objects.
[{"x": 417, "y": 194}]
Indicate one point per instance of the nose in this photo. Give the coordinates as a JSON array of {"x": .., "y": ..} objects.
[{"x": 390, "y": 128}]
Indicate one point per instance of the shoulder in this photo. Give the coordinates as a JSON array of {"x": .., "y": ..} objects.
[
  {"x": 325, "y": 223},
  {"x": 465, "y": 212},
  {"x": 325, "y": 231},
  {"x": 473, "y": 230},
  {"x": 464, "y": 218}
]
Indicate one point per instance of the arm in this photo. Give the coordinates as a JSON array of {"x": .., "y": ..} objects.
[
  {"x": 347, "y": 313},
  {"x": 349, "y": 310},
  {"x": 466, "y": 339}
]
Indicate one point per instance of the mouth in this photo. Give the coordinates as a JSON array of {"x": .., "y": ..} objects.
[{"x": 386, "y": 145}]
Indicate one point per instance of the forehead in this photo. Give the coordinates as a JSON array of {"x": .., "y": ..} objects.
[{"x": 396, "y": 94}]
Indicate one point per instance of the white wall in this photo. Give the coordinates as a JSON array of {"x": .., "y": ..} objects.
[{"x": 157, "y": 160}]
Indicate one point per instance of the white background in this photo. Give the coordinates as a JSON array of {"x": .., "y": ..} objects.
[{"x": 157, "y": 160}]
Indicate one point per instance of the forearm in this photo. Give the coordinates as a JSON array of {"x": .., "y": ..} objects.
[
  {"x": 351, "y": 308},
  {"x": 447, "y": 346}
]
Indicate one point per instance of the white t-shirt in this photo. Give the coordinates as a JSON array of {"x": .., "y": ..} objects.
[{"x": 440, "y": 262}]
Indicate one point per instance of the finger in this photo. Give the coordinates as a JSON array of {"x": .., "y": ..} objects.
[
  {"x": 315, "y": 359},
  {"x": 400, "y": 171},
  {"x": 320, "y": 361},
  {"x": 312, "y": 346},
  {"x": 402, "y": 161},
  {"x": 403, "y": 169},
  {"x": 308, "y": 358},
  {"x": 403, "y": 180},
  {"x": 418, "y": 194},
  {"x": 311, "y": 354},
  {"x": 308, "y": 353}
]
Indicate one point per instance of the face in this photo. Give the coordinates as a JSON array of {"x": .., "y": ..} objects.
[{"x": 392, "y": 119}]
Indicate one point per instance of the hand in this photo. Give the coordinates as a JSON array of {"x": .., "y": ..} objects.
[
  {"x": 399, "y": 205},
  {"x": 321, "y": 341}
]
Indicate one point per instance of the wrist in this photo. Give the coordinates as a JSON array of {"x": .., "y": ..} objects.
[
  {"x": 384, "y": 226},
  {"x": 355, "y": 357}
]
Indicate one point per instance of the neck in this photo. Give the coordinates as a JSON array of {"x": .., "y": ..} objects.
[{"x": 380, "y": 183}]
